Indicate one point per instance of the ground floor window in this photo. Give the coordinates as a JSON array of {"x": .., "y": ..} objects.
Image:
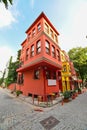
[
  {"x": 48, "y": 76},
  {"x": 20, "y": 79},
  {"x": 37, "y": 74},
  {"x": 54, "y": 75}
]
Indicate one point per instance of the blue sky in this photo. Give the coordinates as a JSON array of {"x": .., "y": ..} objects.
[{"x": 68, "y": 16}]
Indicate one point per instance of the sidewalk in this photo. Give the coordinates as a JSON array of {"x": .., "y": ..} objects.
[{"x": 29, "y": 100}]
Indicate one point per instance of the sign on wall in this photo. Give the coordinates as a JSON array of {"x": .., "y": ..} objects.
[{"x": 51, "y": 82}]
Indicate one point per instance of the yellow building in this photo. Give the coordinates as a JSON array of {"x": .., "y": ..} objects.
[{"x": 65, "y": 73}]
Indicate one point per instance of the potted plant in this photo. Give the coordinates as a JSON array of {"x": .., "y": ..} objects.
[
  {"x": 73, "y": 94},
  {"x": 67, "y": 95},
  {"x": 76, "y": 92},
  {"x": 79, "y": 91},
  {"x": 18, "y": 92}
]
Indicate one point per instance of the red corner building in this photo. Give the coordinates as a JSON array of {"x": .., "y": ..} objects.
[{"x": 41, "y": 65}]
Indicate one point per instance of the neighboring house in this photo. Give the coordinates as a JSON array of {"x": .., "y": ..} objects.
[
  {"x": 69, "y": 76},
  {"x": 74, "y": 77},
  {"x": 66, "y": 72},
  {"x": 40, "y": 69}
]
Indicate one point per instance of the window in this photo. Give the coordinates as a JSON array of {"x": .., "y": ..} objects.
[
  {"x": 36, "y": 74},
  {"x": 33, "y": 32},
  {"x": 21, "y": 63},
  {"x": 32, "y": 50},
  {"x": 20, "y": 79},
  {"x": 39, "y": 27},
  {"x": 56, "y": 38},
  {"x": 38, "y": 46},
  {"x": 29, "y": 35},
  {"x": 53, "y": 51},
  {"x": 69, "y": 68},
  {"x": 46, "y": 28},
  {"x": 64, "y": 68},
  {"x": 51, "y": 33},
  {"x": 58, "y": 55},
  {"x": 47, "y": 74},
  {"x": 47, "y": 45},
  {"x": 54, "y": 75},
  {"x": 22, "y": 49},
  {"x": 27, "y": 53}
]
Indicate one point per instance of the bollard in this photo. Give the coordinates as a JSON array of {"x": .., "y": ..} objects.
[{"x": 62, "y": 103}]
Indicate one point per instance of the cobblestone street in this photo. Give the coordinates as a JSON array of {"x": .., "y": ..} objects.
[{"x": 16, "y": 114}]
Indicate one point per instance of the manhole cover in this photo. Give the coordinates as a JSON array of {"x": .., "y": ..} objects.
[{"x": 49, "y": 122}]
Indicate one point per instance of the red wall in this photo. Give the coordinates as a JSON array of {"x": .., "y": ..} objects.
[
  {"x": 31, "y": 85},
  {"x": 13, "y": 85}
]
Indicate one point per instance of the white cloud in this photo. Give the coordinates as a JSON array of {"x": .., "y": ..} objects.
[
  {"x": 75, "y": 31},
  {"x": 5, "y": 54},
  {"x": 6, "y": 17}
]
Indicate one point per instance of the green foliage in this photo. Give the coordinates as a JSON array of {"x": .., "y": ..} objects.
[
  {"x": 2, "y": 78},
  {"x": 1, "y": 81},
  {"x": 12, "y": 74},
  {"x": 18, "y": 55},
  {"x": 79, "y": 90},
  {"x": 18, "y": 92},
  {"x": 79, "y": 57},
  {"x": 6, "y": 2},
  {"x": 67, "y": 94}
]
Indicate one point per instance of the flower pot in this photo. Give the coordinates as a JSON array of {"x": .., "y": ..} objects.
[
  {"x": 79, "y": 92},
  {"x": 66, "y": 100},
  {"x": 73, "y": 96}
]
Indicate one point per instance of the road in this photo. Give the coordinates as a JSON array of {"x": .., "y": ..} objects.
[{"x": 15, "y": 114}]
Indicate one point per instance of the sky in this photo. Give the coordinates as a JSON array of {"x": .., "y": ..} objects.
[{"x": 68, "y": 16}]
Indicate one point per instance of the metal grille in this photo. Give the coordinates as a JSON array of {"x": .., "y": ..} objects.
[{"x": 49, "y": 122}]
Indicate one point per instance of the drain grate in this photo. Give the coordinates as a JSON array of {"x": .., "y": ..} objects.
[{"x": 49, "y": 122}]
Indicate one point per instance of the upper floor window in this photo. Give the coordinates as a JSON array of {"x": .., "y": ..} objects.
[
  {"x": 47, "y": 45},
  {"x": 27, "y": 53},
  {"x": 51, "y": 33},
  {"x": 64, "y": 68},
  {"x": 69, "y": 68},
  {"x": 32, "y": 50},
  {"x": 58, "y": 55},
  {"x": 56, "y": 38},
  {"x": 39, "y": 27},
  {"x": 33, "y": 32},
  {"x": 21, "y": 63},
  {"x": 38, "y": 46},
  {"x": 53, "y": 51},
  {"x": 46, "y": 28},
  {"x": 36, "y": 74},
  {"x": 22, "y": 49},
  {"x": 29, "y": 35}
]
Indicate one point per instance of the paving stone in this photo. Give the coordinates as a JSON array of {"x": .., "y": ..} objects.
[{"x": 15, "y": 114}]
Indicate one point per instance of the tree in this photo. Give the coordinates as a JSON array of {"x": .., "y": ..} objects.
[
  {"x": 6, "y": 2},
  {"x": 3, "y": 76},
  {"x": 12, "y": 74},
  {"x": 18, "y": 55},
  {"x": 79, "y": 57}
]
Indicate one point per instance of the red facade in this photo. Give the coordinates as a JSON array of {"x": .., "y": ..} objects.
[{"x": 40, "y": 67}]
